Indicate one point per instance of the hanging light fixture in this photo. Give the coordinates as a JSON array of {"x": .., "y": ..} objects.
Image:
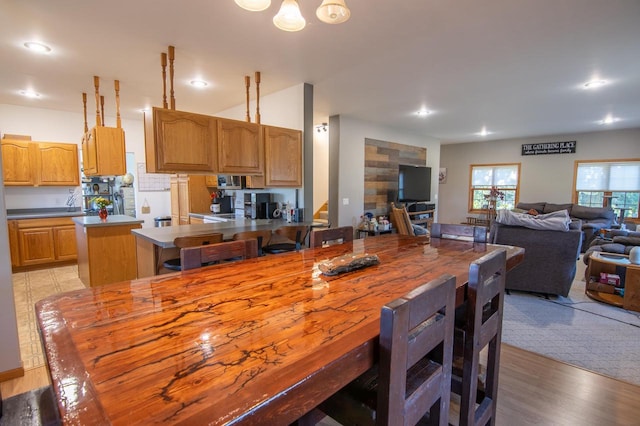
[
  {"x": 289, "y": 17},
  {"x": 333, "y": 12},
  {"x": 254, "y": 5}
]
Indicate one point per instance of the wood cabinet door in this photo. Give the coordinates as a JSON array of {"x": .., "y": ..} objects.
[
  {"x": 89, "y": 154},
  {"x": 240, "y": 147},
  {"x": 36, "y": 246},
  {"x": 283, "y": 157},
  {"x": 57, "y": 164},
  {"x": 183, "y": 199},
  {"x": 110, "y": 151},
  {"x": 178, "y": 141},
  {"x": 64, "y": 238},
  {"x": 199, "y": 195},
  {"x": 211, "y": 181},
  {"x": 18, "y": 163},
  {"x": 14, "y": 244},
  {"x": 175, "y": 200}
]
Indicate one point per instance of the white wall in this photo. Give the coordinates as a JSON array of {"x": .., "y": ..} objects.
[
  {"x": 351, "y": 158},
  {"x": 543, "y": 177},
  {"x": 61, "y": 126},
  {"x": 10, "y": 353}
]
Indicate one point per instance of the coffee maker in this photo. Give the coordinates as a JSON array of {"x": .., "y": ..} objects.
[{"x": 254, "y": 204}]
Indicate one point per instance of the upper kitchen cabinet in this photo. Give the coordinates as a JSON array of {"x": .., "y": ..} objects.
[
  {"x": 178, "y": 141},
  {"x": 240, "y": 147},
  {"x": 103, "y": 152},
  {"x": 40, "y": 163},
  {"x": 283, "y": 157},
  {"x": 18, "y": 160},
  {"x": 57, "y": 164}
]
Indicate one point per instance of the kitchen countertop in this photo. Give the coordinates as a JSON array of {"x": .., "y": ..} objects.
[
  {"x": 14, "y": 214},
  {"x": 164, "y": 236},
  {"x": 112, "y": 220}
]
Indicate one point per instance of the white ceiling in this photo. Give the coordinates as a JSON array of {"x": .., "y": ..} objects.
[{"x": 514, "y": 66}]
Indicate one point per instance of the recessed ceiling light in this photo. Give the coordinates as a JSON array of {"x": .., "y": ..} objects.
[
  {"x": 609, "y": 119},
  {"x": 594, "y": 84},
  {"x": 423, "y": 112},
  {"x": 37, "y": 47},
  {"x": 483, "y": 132},
  {"x": 199, "y": 83},
  {"x": 30, "y": 94}
]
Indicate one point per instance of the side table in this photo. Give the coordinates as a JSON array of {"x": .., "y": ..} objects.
[
  {"x": 362, "y": 233},
  {"x": 613, "y": 263}
]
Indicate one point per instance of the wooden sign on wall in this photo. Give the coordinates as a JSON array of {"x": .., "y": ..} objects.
[
  {"x": 381, "y": 160},
  {"x": 568, "y": 147}
]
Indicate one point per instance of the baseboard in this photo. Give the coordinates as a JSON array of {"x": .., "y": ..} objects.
[{"x": 11, "y": 374}]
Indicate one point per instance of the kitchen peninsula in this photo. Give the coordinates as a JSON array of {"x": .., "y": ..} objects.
[
  {"x": 154, "y": 245},
  {"x": 106, "y": 249}
]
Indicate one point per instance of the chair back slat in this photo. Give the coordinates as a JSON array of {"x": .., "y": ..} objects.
[
  {"x": 328, "y": 236},
  {"x": 196, "y": 257},
  {"x": 401, "y": 220},
  {"x": 477, "y": 234}
]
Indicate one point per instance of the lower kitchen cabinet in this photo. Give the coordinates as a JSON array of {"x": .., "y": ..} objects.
[
  {"x": 106, "y": 249},
  {"x": 41, "y": 241}
]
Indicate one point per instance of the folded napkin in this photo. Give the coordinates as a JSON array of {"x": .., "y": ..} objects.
[{"x": 347, "y": 262}]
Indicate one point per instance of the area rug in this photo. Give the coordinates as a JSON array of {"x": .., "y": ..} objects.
[
  {"x": 29, "y": 288},
  {"x": 33, "y": 408},
  {"x": 577, "y": 330}
]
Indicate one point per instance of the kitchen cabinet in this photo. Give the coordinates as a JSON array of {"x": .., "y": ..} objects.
[
  {"x": 103, "y": 152},
  {"x": 106, "y": 249},
  {"x": 189, "y": 193},
  {"x": 41, "y": 241},
  {"x": 57, "y": 164},
  {"x": 40, "y": 163},
  {"x": 240, "y": 147},
  {"x": 179, "y": 141},
  {"x": 283, "y": 157}
]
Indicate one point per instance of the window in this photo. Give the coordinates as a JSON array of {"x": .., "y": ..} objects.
[
  {"x": 504, "y": 177},
  {"x": 609, "y": 183}
]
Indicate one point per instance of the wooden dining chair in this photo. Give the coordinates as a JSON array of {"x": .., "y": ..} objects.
[
  {"x": 478, "y": 328},
  {"x": 477, "y": 234},
  {"x": 328, "y": 236},
  {"x": 197, "y": 257},
  {"x": 263, "y": 237},
  {"x": 287, "y": 238},
  {"x": 191, "y": 241},
  {"x": 413, "y": 377},
  {"x": 401, "y": 220}
]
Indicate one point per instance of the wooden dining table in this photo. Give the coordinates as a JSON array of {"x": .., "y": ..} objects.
[{"x": 262, "y": 341}]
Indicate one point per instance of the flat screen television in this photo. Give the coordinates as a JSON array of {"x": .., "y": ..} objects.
[{"x": 414, "y": 183}]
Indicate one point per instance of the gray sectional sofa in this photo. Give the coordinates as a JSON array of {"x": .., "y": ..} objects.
[
  {"x": 549, "y": 264},
  {"x": 592, "y": 218}
]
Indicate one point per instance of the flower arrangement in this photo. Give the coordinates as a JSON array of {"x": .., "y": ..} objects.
[
  {"x": 101, "y": 202},
  {"x": 494, "y": 194}
]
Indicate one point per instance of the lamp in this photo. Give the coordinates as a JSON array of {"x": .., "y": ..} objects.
[
  {"x": 333, "y": 12},
  {"x": 254, "y": 5},
  {"x": 289, "y": 17}
]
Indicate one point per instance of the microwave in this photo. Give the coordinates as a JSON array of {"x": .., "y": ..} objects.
[{"x": 232, "y": 182}]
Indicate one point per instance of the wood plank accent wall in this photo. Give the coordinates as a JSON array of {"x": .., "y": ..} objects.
[{"x": 381, "y": 160}]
